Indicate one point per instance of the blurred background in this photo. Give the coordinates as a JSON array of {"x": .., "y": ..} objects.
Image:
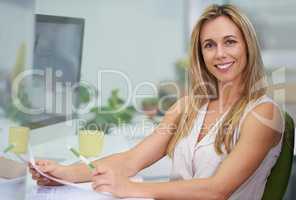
[{"x": 69, "y": 59}]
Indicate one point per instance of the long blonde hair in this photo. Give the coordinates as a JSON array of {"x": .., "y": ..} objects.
[{"x": 202, "y": 81}]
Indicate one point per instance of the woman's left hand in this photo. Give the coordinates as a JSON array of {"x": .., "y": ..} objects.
[{"x": 107, "y": 180}]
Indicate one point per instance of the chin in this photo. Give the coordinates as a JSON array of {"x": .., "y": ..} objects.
[{"x": 225, "y": 80}]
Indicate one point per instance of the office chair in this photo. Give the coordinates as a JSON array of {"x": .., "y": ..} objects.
[{"x": 278, "y": 179}]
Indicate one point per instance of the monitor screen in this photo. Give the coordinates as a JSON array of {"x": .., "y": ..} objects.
[{"x": 56, "y": 68}]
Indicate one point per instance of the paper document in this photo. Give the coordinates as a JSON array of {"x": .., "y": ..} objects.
[
  {"x": 66, "y": 193},
  {"x": 66, "y": 183},
  {"x": 69, "y": 191}
]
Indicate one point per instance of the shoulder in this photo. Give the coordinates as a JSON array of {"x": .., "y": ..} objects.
[
  {"x": 263, "y": 121},
  {"x": 261, "y": 101}
]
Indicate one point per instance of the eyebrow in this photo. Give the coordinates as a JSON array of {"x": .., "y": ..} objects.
[{"x": 225, "y": 37}]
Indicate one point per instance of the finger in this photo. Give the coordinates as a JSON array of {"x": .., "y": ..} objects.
[
  {"x": 47, "y": 168},
  {"x": 103, "y": 188},
  {"x": 44, "y": 162},
  {"x": 100, "y": 182},
  {"x": 40, "y": 162},
  {"x": 47, "y": 182},
  {"x": 99, "y": 176},
  {"x": 30, "y": 165},
  {"x": 32, "y": 171},
  {"x": 43, "y": 182},
  {"x": 36, "y": 176},
  {"x": 100, "y": 170}
]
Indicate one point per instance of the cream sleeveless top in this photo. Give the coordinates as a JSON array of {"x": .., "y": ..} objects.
[{"x": 199, "y": 160}]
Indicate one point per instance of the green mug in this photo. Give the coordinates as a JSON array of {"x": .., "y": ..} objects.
[
  {"x": 19, "y": 137},
  {"x": 91, "y": 142}
]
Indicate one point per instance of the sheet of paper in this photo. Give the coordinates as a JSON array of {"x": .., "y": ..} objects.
[
  {"x": 70, "y": 191},
  {"x": 65, "y": 193},
  {"x": 66, "y": 183}
]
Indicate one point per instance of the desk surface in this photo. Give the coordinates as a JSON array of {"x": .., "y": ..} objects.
[
  {"x": 55, "y": 147},
  {"x": 71, "y": 193},
  {"x": 58, "y": 136}
]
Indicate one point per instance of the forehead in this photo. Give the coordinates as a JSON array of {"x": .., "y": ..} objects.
[{"x": 219, "y": 28}]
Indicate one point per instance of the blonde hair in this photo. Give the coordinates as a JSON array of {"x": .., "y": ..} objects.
[{"x": 201, "y": 80}]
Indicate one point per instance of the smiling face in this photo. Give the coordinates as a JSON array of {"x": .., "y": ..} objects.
[{"x": 223, "y": 49}]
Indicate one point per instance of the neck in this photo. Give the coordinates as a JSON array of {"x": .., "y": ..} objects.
[{"x": 229, "y": 92}]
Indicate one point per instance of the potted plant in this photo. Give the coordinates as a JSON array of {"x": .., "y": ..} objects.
[
  {"x": 167, "y": 94},
  {"x": 150, "y": 106},
  {"x": 110, "y": 115}
]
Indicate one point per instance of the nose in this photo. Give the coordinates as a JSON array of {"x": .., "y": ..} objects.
[{"x": 220, "y": 51}]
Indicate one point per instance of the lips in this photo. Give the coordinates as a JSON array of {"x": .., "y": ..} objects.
[{"x": 224, "y": 66}]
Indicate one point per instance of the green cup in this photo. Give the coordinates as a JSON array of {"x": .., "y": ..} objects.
[
  {"x": 91, "y": 142},
  {"x": 19, "y": 137}
]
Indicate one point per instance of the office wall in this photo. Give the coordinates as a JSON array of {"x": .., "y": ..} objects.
[
  {"x": 142, "y": 38},
  {"x": 17, "y": 32},
  {"x": 17, "y": 24}
]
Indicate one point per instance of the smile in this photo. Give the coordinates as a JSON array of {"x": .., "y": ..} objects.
[{"x": 224, "y": 66}]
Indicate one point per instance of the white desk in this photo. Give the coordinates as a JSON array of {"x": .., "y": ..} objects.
[
  {"x": 70, "y": 193},
  {"x": 13, "y": 189},
  {"x": 59, "y": 136}
]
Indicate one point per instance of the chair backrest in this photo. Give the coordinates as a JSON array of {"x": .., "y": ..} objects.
[{"x": 278, "y": 179}]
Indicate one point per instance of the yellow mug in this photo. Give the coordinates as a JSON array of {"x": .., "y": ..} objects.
[
  {"x": 90, "y": 142},
  {"x": 19, "y": 137}
]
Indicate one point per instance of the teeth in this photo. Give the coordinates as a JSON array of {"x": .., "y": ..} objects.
[{"x": 224, "y": 66}]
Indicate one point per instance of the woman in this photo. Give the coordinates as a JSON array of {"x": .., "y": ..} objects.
[{"x": 223, "y": 138}]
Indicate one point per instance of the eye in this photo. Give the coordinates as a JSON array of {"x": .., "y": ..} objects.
[
  {"x": 208, "y": 45},
  {"x": 230, "y": 42}
]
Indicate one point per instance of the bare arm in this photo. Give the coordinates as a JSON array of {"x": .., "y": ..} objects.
[
  {"x": 154, "y": 147},
  {"x": 256, "y": 140},
  {"x": 150, "y": 150}
]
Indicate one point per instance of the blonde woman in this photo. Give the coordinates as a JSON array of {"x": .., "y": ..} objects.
[{"x": 223, "y": 138}]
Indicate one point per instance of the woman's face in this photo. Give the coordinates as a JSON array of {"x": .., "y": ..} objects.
[{"x": 223, "y": 49}]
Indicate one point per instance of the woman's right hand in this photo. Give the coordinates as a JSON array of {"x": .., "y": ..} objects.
[{"x": 52, "y": 169}]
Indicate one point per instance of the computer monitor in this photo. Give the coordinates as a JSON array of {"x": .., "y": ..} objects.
[{"x": 57, "y": 60}]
